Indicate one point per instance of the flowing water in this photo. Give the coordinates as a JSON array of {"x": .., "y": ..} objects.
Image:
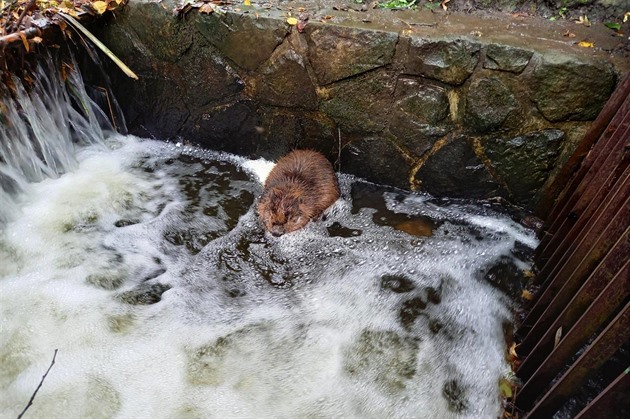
[{"x": 143, "y": 262}]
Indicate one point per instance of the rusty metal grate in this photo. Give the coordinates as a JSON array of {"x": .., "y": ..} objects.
[{"x": 581, "y": 315}]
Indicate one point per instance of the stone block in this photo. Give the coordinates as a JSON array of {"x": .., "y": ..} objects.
[
  {"x": 285, "y": 129},
  {"x": 507, "y": 58},
  {"x": 284, "y": 80},
  {"x": 231, "y": 127},
  {"x": 362, "y": 104},
  {"x": 167, "y": 38},
  {"x": 488, "y": 104},
  {"x": 338, "y": 52},
  {"x": 246, "y": 41},
  {"x": 448, "y": 61},
  {"x": 455, "y": 171},
  {"x": 566, "y": 88},
  {"x": 525, "y": 162},
  {"x": 377, "y": 160},
  {"x": 420, "y": 114}
]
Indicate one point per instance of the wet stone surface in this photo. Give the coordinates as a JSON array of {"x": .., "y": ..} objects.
[{"x": 389, "y": 88}]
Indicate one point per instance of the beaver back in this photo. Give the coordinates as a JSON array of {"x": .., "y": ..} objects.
[{"x": 298, "y": 189}]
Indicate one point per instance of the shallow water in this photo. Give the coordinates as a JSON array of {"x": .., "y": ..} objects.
[{"x": 146, "y": 267}]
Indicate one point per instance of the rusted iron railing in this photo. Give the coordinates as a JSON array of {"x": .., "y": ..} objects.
[{"x": 581, "y": 315}]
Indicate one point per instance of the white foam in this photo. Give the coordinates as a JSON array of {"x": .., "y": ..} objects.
[
  {"x": 252, "y": 326},
  {"x": 260, "y": 168}
]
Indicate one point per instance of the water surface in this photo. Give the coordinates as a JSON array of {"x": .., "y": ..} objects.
[{"x": 145, "y": 265}]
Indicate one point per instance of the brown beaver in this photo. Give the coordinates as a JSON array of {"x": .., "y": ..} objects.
[{"x": 298, "y": 189}]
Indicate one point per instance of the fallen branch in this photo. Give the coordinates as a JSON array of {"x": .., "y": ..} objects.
[
  {"x": 78, "y": 26},
  {"x": 30, "y": 6},
  {"x": 30, "y": 402},
  {"x": 20, "y": 36}
]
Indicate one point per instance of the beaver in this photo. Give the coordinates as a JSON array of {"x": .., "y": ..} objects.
[{"x": 298, "y": 189}]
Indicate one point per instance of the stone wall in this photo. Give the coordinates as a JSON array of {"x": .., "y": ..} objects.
[{"x": 434, "y": 102}]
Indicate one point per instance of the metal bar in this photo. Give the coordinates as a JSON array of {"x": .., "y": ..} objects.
[
  {"x": 550, "y": 203},
  {"x": 613, "y": 295},
  {"x": 611, "y": 399},
  {"x": 610, "y": 158},
  {"x": 589, "y": 148},
  {"x": 591, "y": 203},
  {"x": 595, "y": 243},
  {"x": 597, "y": 281},
  {"x": 540, "y": 333},
  {"x": 575, "y": 188},
  {"x": 604, "y": 346}
]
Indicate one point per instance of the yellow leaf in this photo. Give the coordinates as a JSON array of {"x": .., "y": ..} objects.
[
  {"x": 505, "y": 388},
  {"x": 24, "y": 41},
  {"x": 292, "y": 21},
  {"x": 626, "y": 16},
  {"x": 70, "y": 12},
  {"x": 512, "y": 351},
  {"x": 100, "y": 6},
  {"x": 526, "y": 295},
  {"x": 585, "y": 44},
  {"x": 247, "y": 2}
]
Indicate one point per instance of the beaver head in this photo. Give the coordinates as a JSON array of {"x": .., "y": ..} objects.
[{"x": 283, "y": 209}]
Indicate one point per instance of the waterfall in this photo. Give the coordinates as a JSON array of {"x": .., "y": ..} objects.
[{"x": 42, "y": 125}]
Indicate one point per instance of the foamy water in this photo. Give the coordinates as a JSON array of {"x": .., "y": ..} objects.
[{"x": 147, "y": 268}]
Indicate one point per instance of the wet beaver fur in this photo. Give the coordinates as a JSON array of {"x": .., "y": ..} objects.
[{"x": 299, "y": 188}]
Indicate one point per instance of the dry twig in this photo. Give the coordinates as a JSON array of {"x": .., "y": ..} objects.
[{"x": 30, "y": 402}]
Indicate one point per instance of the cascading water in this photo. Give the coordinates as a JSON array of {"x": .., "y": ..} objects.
[
  {"x": 40, "y": 131},
  {"x": 144, "y": 264}
]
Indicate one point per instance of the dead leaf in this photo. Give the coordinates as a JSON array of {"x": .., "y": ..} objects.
[
  {"x": 626, "y": 16},
  {"x": 527, "y": 296},
  {"x": 70, "y": 12},
  {"x": 100, "y": 6},
  {"x": 292, "y": 21},
  {"x": 505, "y": 388},
  {"x": 585, "y": 44},
  {"x": 207, "y": 9},
  {"x": 583, "y": 20},
  {"x": 443, "y": 4},
  {"x": 569, "y": 34},
  {"x": 558, "y": 337},
  {"x": 512, "y": 351},
  {"x": 25, "y": 41},
  {"x": 36, "y": 40},
  {"x": 247, "y": 2}
]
